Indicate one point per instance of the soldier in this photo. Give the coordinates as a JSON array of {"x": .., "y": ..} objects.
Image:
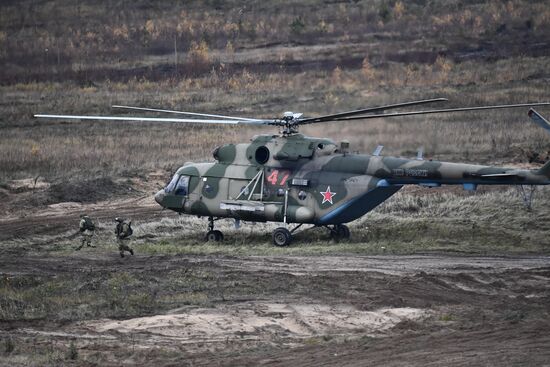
[
  {"x": 87, "y": 228},
  {"x": 123, "y": 231}
]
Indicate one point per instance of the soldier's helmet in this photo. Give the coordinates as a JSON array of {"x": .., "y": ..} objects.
[
  {"x": 118, "y": 219},
  {"x": 83, "y": 215}
]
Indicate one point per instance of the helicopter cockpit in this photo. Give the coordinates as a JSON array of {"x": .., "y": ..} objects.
[{"x": 179, "y": 185}]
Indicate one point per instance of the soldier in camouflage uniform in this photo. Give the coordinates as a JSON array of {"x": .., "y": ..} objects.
[
  {"x": 87, "y": 228},
  {"x": 123, "y": 231}
]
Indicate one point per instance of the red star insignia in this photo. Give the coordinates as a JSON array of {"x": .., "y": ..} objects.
[{"x": 327, "y": 195}]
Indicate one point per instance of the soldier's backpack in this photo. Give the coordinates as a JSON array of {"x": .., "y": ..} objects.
[
  {"x": 125, "y": 230},
  {"x": 88, "y": 224},
  {"x": 129, "y": 230}
]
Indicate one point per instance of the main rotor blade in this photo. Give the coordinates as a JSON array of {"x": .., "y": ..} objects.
[
  {"x": 184, "y": 113},
  {"x": 443, "y": 111},
  {"x": 324, "y": 118},
  {"x": 157, "y": 119}
]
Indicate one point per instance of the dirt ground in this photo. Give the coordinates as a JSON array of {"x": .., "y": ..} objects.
[
  {"x": 433, "y": 309},
  {"x": 326, "y": 310}
]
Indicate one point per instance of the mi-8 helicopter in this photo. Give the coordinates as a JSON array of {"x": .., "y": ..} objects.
[{"x": 295, "y": 179}]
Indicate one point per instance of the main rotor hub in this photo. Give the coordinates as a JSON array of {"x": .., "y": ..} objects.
[
  {"x": 288, "y": 116},
  {"x": 290, "y": 122}
]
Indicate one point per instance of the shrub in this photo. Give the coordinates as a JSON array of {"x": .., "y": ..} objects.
[
  {"x": 297, "y": 26},
  {"x": 199, "y": 57}
]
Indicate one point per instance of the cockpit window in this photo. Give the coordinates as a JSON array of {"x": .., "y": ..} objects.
[
  {"x": 170, "y": 187},
  {"x": 182, "y": 186}
]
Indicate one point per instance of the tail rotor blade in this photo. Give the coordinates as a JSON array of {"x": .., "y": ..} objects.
[{"x": 539, "y": 120}]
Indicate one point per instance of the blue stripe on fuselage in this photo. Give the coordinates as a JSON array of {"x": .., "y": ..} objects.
[{"x": 359, "y": 206}]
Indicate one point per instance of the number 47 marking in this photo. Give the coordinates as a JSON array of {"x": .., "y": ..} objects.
[{"x": 274, "y": 177}]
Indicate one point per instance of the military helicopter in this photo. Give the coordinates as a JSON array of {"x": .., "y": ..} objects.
[{"x": 296, "y": 179}]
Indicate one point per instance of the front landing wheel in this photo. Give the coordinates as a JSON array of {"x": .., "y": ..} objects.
[
  {"x": 282, "y": 237},
  {"x": 214, "y": 236}
]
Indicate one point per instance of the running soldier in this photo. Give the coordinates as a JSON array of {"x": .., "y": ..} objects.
[
  {"x": 87, "y": 228},
  {"x": 123, "y": 231}
]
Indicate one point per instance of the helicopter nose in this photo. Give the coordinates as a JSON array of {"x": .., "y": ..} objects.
[{"x": 159, "y": 197}]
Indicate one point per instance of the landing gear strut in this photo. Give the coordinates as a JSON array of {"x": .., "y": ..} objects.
[
  {"x": 339, "y": 232},
  {"x": 527, "y": 195},
  {"x": 213, "y": 235}
]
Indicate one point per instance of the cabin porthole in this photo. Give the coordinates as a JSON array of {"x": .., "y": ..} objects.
[{"x": 262, "y": 155}]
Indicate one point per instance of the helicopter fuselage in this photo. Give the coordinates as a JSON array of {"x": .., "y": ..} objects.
[{"x": 299, "y": 179}]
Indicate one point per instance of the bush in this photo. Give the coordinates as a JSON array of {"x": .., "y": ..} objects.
[{"x": 297, "y": 26}]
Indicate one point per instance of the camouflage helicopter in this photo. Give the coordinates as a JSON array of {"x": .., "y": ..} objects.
[{"x": 296, "y": 179}]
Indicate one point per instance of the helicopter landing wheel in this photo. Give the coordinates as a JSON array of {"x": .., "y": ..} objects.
[
  {"x": 340, "y": 232},
  {"x": 214, "y": 236},
  {"x": 282, "y": 237}
]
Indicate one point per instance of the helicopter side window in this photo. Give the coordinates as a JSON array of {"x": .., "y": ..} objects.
[
  {"x": 183, "y": 186},
  {"x": 170, "y": 187}
]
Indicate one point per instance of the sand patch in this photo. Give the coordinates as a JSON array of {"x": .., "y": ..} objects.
[
  {"x": 28, "y": 184},
  {"x": 262, "y": 320}
]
